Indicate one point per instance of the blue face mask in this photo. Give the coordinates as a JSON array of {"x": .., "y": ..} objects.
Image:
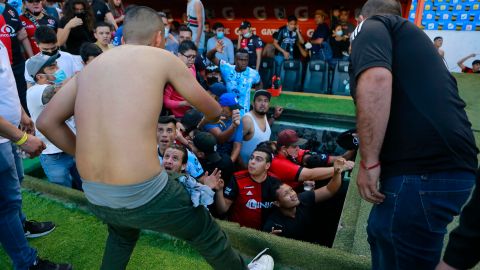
[
  {"x": 339, "y": 33},
  {"x": 220, "y": 35},
  {"x": 60, "y": 76}
]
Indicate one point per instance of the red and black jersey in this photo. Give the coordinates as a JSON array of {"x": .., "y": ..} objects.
[
  {"x": 252, "y": 201},
  {"x": 10, "y": 25},
  {"x": 31, "y": 23},
  {"x": 252, "y": 44}
]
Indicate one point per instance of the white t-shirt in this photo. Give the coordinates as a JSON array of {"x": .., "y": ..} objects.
[
  {"x": 36, "y": 106},
  {"x": 67, "y": 62},
  {"x": 10, "y": 108}
]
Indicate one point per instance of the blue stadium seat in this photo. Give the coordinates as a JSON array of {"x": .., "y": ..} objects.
[
  {"x": 428, "y": 16},
  {"x": 431, "y": 26},
  {"x": 476, "y": 16},
  {"x": 442, "y": 7},
  {"x": 441, "y": 1},
  {"x": 428, "y": 6},
  {"x": 316, "y": 77},
  {"x": 267, "y": 70},
  {"x": 463, "y": 17},
  {"x": 447, "y": 25},
  {"x": 469, "y": 26},
  {"x": 460, "y": 7},
  {"x": 475, "y": 7},
  {"x": 291, "y": 75},
  {"x": 411, "y": 17},
  {"x": 341, "y": 79},
  {"x": 453, "y": 2},
  {"x": 444, "y": 16}
]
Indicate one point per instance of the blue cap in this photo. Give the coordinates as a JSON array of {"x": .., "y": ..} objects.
[
  {"x": 218, "y": 89},
  {"x": 229, "y": 100}
]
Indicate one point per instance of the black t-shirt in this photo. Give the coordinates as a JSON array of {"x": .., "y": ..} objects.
[
  {"x": 300, "y": 227},
  {"x": 100, "y": 9},
  {"x": 10, "y": 25},
  {"x": 339, "y": 46},
  {"x": 428, "y": 129},
  {"x": 252, "y": 44},
  {"x": 321, "y": 31},
  {"x": 77, "y": 36},
  {"x": 287, "y": 40}
]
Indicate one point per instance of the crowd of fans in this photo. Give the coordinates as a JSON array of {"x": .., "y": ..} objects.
[{"x": 232, "y": 166}]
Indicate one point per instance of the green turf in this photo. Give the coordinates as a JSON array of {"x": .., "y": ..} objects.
[{"x": 79, "y": 238}]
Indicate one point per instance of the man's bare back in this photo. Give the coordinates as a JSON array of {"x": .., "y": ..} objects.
[{"x": 118, "y": 99}]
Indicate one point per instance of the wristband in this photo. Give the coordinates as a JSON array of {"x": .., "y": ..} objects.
[
  {"x": 23, "y": 139},
  {"x": 364, "y": 166}
]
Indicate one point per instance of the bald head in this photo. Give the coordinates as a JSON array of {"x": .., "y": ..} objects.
[
  {"x": 381, "y": 7},
  {"x": 142, "y": 26}
]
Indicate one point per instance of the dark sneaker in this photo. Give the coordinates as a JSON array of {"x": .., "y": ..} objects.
[
  {"x": 48, "y": 265},
  {"x": 34, "y": 229}
]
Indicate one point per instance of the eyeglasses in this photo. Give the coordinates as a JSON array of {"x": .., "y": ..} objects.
[{"x": 189, "y": 57}]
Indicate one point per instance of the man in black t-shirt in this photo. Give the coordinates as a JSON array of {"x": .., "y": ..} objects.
[
  {"x": 320, "y": 35},
  {"x": 288, "y": 38},
  {"x": 294, "y": 215},
  {"x": 415, "y": 136},
  {"x": 102, "y": 12}
]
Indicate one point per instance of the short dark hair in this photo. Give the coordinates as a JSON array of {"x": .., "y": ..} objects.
[
  {"x": 140, "y": 24},
  {"x": 437, "y": 38},
  {"x": 182, "y": 149},
  {"x": 184, "y": 28},
  {"x": 167, "y": 120},
  {"x": 267, "y": 152},
  {"x": 186, "y": 45},
  {"x": 45, "y": 34},
  {"x": 217, "y": 25},
  {"x": 244, "y": 51},
  {"x": 382, "y": 7},
  {"x": 476, "y": 62},
  {"x": 269, "y": 145},
  {"x": 292, "y": 18},
  {"x": 89, "y": 49},
  {"x": 103, "y": 24}
]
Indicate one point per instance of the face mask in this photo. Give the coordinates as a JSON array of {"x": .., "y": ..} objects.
[
  {"x": 80, "y": 15},
  {"x": 52, "y": 53},
  {"x": 220, "y": 35},
  {"x": 247, "y": 35},
  {"x": 339, "y": 33},
  {"x": 167, "y": 32},
  {"x": 212, "y": 80},
  {"x": 60, "y": 76},
  {"x": 36, "y": 13}
]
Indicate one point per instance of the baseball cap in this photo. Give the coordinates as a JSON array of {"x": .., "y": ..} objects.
[
  {"x": 191, "y": 119},
  {"x": 347, "y": 141},
  {"x": 39, "y": 61},
  {"x": 245, "y": 25},
  {"x": 205, "y": 142},
  {"x": 262, "y": 93},
  {"x": 288, "y": 137},
  {"x": 218, "y": 89},
  {"x": 229, "y": 100}
]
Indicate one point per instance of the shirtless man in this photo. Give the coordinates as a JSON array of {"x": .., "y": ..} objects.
[{"x": 116, "y": 145}]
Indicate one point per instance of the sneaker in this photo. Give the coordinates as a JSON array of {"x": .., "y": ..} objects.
[
  {"x": 261, "y": 262},
  {"x": 34, "y": 229},
  {"x": 48, "y": 265}
]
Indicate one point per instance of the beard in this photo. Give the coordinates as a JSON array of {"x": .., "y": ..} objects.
[{"x": 261, "y": 113}]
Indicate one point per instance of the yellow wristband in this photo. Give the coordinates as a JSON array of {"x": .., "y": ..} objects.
[{"x": 22, "y": 140}]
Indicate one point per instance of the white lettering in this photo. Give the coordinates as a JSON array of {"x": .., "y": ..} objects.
[
  {"x": 253, "y": 204},
  {"x": 268, "y": 32}
]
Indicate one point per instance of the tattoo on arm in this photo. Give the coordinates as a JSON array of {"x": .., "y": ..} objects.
[{"x": 48, "y": 94}]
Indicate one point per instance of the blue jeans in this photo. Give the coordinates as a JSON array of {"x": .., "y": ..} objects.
[
  {"x": 406, "y": 231},
  {"x": 60, "y": 169},
  {"x": 12, "y": 235},
  {"x": 279, "y": 61}
]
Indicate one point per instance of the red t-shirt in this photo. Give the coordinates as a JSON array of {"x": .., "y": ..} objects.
[
  {"x": 30, "y": 24},
  {"x": 252, "y": 201},
  {"x": 172, "y": 99},
  {"x": 468, "y": 70},
  {"x": 286, "y": 170}
]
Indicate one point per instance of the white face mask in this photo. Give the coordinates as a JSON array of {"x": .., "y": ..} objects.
[
  {"x": 167, "y": 32},
  {"x": 247, "y": 35},
  {"x": 339, "y": 33}
]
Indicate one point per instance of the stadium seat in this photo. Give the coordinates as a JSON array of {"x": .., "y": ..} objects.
[
  {"x": 475, "y": 7},
  {"x": 460, "y": 7},
  {"x": 442, "y": 7},
  {"x": 428, "y": 6},
  {"x": 341, "y": 79},
  {"x": 444, "y": 16},
  {"x": 453, "y": 2},
  {"x": 431, "y": 26},
  {"x": 440, "y": 1},
  {"x": 411, "y": 17},
  {"x": 469, "y": 26},
  {"x": 291, "y": 75},
  {"x": 476, "y": 16},
  {"x": 463, "y": 17},
  {"x": 267, "y": 70},
  {"x": 448, "y": 25},
  {"x": 428, "y": 16},
  {"x": 316, "y": 77}
]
